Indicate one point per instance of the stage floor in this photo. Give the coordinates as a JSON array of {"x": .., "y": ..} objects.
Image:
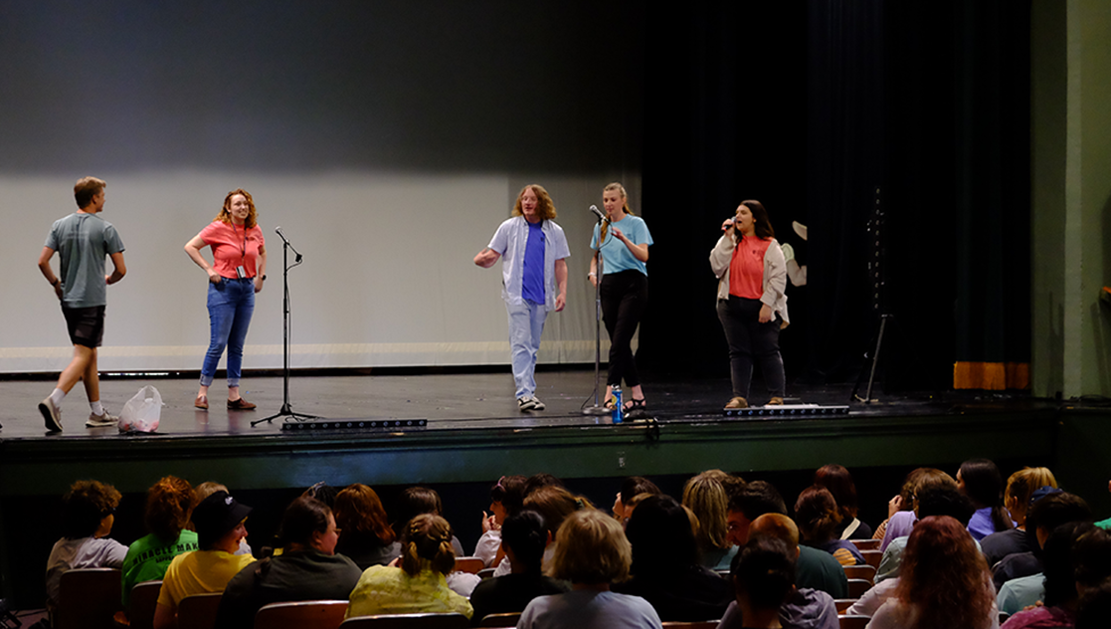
[{"x": 446, "y": 401}]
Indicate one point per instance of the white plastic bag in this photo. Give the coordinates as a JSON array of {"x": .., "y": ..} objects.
[{"x": 141, "y": 413}]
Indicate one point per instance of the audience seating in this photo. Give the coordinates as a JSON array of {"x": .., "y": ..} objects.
[
  {"x": 873, "y": 557},
  {"x": 469, "y": 564},
  {"x": 88, "y": 598},
  {"x": 500, "y": 620},
  {"x": 144, "y": 598},
  {"x": 701, "y": 624},
  {"x": 857, "y": 587},
  {"x": 868, "y": 573},
  {"x": 198, "y": 611},
  {"x": 486, "y": 573},
  {"x": 408, "y": 621},
  {"x": 866, "y": 544},
  {"x": 844, "y": 603},
  {"x": 854, "y": 622},
  {"x": 301, "y": 615}
]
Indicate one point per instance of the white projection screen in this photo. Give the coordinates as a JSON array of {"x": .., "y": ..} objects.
[{"x": 388, "y": 139}]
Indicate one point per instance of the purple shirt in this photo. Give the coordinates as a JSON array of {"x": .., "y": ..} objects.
[{"x": 532, "y": 282}]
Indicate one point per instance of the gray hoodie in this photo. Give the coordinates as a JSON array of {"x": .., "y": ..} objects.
[{"x": 807, "y": 609}]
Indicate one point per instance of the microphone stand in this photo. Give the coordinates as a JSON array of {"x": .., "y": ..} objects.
[
  {"x": 287, "y": 408},
  {"x": 597, "y": 409}
]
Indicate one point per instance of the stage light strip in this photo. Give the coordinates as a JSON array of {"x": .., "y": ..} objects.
[{"x": 786, "y": 410}]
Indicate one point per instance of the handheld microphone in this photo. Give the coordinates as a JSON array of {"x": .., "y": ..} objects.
[{"x": 598, "y": 213}]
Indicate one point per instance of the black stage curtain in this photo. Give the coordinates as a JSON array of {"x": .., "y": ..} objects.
[{"x": 810, "y": 108}]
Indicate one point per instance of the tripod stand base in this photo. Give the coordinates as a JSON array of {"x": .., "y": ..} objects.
[
  {"x": 286, "y": 411},
  {"x": 597, "y": 410}
]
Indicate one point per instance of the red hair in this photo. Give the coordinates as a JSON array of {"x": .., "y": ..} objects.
[
  {"x": 944, "y": 576},
  {"x": 359, "y": 512}
]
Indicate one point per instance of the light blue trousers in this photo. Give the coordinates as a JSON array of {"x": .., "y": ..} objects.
[{"x": 526, "y": 324}]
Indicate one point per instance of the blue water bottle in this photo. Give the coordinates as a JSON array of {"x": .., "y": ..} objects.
[{"x": 617, "y": 406}]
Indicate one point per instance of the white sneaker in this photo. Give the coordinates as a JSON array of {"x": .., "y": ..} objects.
[
  {"x": 96, "y": 421},
  {"x": 527, "y": 403},
  {"x": 52, "y": 414},
  {"x": 537, "y": 405}
]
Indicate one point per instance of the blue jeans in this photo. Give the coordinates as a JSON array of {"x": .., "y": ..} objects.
[
  {"x": 230, "y": 306},
  {"x": 526, "y": 324}
]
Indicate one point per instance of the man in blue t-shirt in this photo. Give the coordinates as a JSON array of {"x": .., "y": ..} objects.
[
  {"x": 82, "y": 239},
  {"x": 534, "y": 281}
]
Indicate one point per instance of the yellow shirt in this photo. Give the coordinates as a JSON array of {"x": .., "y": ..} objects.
[
  {"x": 386, "y": 590},
  {"x": 200, "y": 572}
]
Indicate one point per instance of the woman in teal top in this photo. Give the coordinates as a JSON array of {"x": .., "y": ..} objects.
[{"x": 624, "y": 242}]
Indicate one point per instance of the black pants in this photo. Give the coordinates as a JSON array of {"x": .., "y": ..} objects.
[
  {"x": 624, "y": 297},
  {"x": 750, "y": 341}
]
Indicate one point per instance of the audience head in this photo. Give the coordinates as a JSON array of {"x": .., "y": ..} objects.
[
  {"x": 921, "y": 478},
  {"x": 555, "y": 503},
  {"x": 764, "y": 573},
  {"x": 662, "y": 535},
  {"x": 1057, "y": 558},
  {"x": 981, "y": 481},
  {"x": 524, "y": 536},
  {"x": 507, "y": 497},
  {"x": 206, "y": 489},
  {"x": 839, "y": 482},
  {"x": 817, "y": 515},
  {"x": 415, "y": 501},
  {"x": 778, "y": 526},
  {"x": 359, "y": 513},
  {"x": 323, "y": 492},
  {"x": 591, "y": 549},
  {"x": 1095, "y": 607},
  {"x": 1021, "y": 487},
  {"x": 746, "y": 504},
  {"x": 705, "y": 496},
  {"x": 1054, "y": 510},
  {"x": 169, "y": 505},
  {"x": 944, "y": 499},
  {"x": 308, "y": 523},
  {"x": 944, "y": 575},
  {"x": 427, "y": 538},
  {"x": 1091, "y": 558},
  {"x": 88, "y": 509},
  {"x": 631, "y": 487},
  {"x": 536, "y": 481},
  {"x": 220, "y": 522}
]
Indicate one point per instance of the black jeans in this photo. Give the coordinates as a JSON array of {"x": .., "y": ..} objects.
[
  {"x": 749, "y": 341},
  {"x": 624, "y": 297}
]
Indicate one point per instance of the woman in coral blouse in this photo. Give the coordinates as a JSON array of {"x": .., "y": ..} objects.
[
  {"x": 752, "y": 304},
  {"x": 236, "y": 274}
]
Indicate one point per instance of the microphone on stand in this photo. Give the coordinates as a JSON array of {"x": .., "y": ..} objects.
[
  {"x": 278, "y": 230},
  {"x": 598, "y": 213}
]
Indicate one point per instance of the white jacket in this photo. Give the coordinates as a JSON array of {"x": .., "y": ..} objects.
[{"x": 775, "y": 274}]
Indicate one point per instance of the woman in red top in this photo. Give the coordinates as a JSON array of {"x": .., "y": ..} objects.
[
  {"x": 237, "y": 273},
  {"x": 752, "y": 306}
]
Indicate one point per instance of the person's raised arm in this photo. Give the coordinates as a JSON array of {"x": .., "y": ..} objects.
[
  {"x": 193, "y": 249},
  {"x": 119, "y": 268},
  {"x": 47, "y": 272},
  {"x": 486, "y": 258},
  {"x": 561, "y": 283}
]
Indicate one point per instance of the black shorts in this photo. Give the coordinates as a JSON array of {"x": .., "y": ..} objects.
[{"x": 85, "y": 325}]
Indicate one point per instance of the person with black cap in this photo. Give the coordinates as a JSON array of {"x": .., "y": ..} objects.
[{"x": 221, "y": 524}]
